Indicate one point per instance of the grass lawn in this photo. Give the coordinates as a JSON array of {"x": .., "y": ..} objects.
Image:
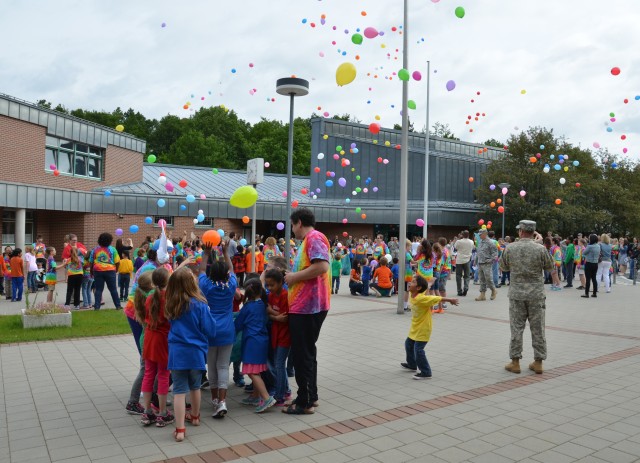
[{"x": 85, "y": 323}]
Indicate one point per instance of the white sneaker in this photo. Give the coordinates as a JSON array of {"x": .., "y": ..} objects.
[
  {"x": 221, "y": 410},
  {"x": 214, "y": 403}
]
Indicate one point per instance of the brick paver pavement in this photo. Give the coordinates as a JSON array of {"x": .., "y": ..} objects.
[{"x": 64, "y": 401}]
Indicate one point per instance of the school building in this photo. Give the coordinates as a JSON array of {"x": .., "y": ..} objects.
[{"x": 60, "y": 174}]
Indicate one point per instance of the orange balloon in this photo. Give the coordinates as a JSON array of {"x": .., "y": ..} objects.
[
  {"x": 294, "y": 203},
  {"x": 364, "y": 216},
  {"x": 246, "y": 219},
  {"x": 211, "y": 237},
  {"x": 499, "y": 201},
  {"x": 533, "y": 159},
  {"x": 492, "y": 204},
  {"x": 489, "y": 225},
  {"x": 470, "y": 179},
  {"x": 558, "y": 201}
]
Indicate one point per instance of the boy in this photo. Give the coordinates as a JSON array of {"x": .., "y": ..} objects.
[
  {"x": 421, "y": 325},
  {"x": 124, "y": 275},
  {"x": 365, "y": 275},
  {"x": 395, "y": 272},
  {"x": 336, "y": 268}
]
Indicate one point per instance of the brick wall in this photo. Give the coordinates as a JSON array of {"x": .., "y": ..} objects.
[{"x": 22, "y": 153}]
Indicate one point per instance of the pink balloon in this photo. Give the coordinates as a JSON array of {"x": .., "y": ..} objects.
[
  {"x": 162, "y": 223},
  {"x": 344, "y": 220},
  {"x": 596, "y": 145},
  {"x": 169, "y": 186},
  {"x": 523, "y": 193},
  {"x": 420, "y": 223},
  {"x": 371, "y": 32},
  {"x": 336, "y": 156},
  {"x": 504, "y": 191},
  {"x": 325, "y": 114},
  {"x": 416, "y": 75},
  {"x": 203, "y": 196},
  {"x": 284, "y": 194},
  {"x": 266, "y": 164}
]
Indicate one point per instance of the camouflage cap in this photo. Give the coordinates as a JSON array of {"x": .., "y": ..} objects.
[
  {"x": 483, "y": 231},
  {"x": 527, "y": 225}
]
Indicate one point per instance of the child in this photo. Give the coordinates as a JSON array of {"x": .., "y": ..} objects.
[
  {"x": 87, "y": 283},
  {"x": 139, "y": 260},
  {"x": 395, "y": 271},
  {"x": 252, "y": 321},
  {"x": 51, "y": 276},
  {"x": 383, "y": 277},
  {"x": 6, "y": 272},
  {"x": 278, "y": 310},
  {"x": 236, "y": 351},
  {"x": 155, "y": 351},
  {"x": 336, "y": 268},
  {"x": 31, "y": 268},
  {"x": 420, "y": 331},
  {"x": 365, "y": 276},
  {"x": 124, "y": 275},
  {"x": 17, "y": 275},
  {"x": 191, "y": 328},
  {"x": 239, "y": 264},
  {"x": 219, "y": 287}
]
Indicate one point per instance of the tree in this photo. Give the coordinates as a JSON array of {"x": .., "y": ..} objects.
[
  {"x": 493, "y": 142},
  {"x": 443, "y": 131},
  {"x": 399, "y": 127}
]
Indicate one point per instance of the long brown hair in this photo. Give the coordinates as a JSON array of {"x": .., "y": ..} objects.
[
  {"x": 181, "y": 288},
  {"x": 160, "y": 278},
  {"x": 145, "y": 285},
  {"x": 74, "y": 256}
]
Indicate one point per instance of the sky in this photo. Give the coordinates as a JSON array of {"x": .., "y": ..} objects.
[{"x": 534, "y": 62}]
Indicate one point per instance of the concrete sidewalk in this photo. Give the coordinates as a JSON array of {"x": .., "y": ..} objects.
[{"x": 64, "y": 400}]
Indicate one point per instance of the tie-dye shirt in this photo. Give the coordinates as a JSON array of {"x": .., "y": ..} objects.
[
  {"x": 556, "y": 253},
  {"x": 444, "y": 264},
  {"x": 38, "y": 250},
  {"x": 311, "y": 296},
  {"x": 104, "y": 259},
  {"x": 425, "y": 266}
]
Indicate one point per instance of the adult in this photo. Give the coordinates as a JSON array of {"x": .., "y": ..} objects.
[
  {"x": 124, "y": 245},
  {"x": 464, "y": 249},
  {"x": 495, "y": 267},
  {"x": 415, "y": 245},
  {"x": 233, "y": 245},
  {"x": 104, "y": 260},
  {"x": 355, "y": 279},
  {"x": 73, "y": 242},
  {"x": 309, "y": 287},
  {"x": 394, "y": 248},
  {"x": 604, "y": 263},
  {"x": 591, "y": 257},
  {"x": 380, "y": 248},
  {"x": 526, "y": 260},
  {"x": 487, "y": 254},
  {"x": 623, "y": 259},
  {"x": 75, "y": 273},
  {"x": 569, "y": 255}
]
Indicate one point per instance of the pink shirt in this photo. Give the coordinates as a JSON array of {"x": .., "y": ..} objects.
[{"x": 311, "y": 296}]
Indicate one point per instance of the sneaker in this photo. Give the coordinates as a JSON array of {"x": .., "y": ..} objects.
[
  {"x": 148, "y": 418},
  {"x": 580, "y": 287},
  {"x": 205, "y": 384},
  {"x": 287, "y": 396},
  {"x": 265, "y": 404},
  {"x": 221, "y": 410},
  {"x": 280, "y": 402},
  {"x": 214, "y": 403},
  {"x": 239, "y": 382},
  {"x": 421, "y": 375},
  {"x": 406, "y": 365},
  {"x": 155, "y": 408},
  {"x": 248, "y": 388},
  {"x": 250, "y": 401},
  {"x": 163, "y": 420},
  {"x": 134, "y": 408}
]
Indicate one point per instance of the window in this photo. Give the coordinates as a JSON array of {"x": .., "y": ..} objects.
[
  {"x": 167, "y": 218},
  {"x": 9, "y": 228},
  {"x": 76, "y": 159},
  {"x": 206, "y": 223}
]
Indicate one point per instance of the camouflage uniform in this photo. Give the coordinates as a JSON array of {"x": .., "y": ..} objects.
[
  {"x": 487, "y": 254},
  {"x": 526, "y": 260}
]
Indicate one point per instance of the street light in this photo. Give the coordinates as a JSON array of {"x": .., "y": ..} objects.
[
  {"x": 504, "y": 204},
  {"x": 293, "y": 87}
]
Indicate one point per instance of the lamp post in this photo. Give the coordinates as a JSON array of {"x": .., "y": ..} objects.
[
  {"x": 425, "y": 213},
  {"x": 504, "y": 203},
  {"x": 293, "y": 87}
]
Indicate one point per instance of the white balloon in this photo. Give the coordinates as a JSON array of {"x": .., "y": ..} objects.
[
  {"x": 562, "y": 181},
  {"x": 162, "y": 179},
  {"x": 195, "y": 221},
  {"x": 200, "y": 211},
  {"x": 320, "y": 155}
]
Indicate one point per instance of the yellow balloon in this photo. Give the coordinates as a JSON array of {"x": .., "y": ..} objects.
[
  {"x": 345, "y": 74},
  {"x": 387, "y": 143},
  {"x": 523, "y": 91},
  {"x": 375, "y": 142},
  {"x": 244, "y": 197},
  {"x": 377, "y": 117},
  {"x": 484, "y": 227},
  {"x": 325, "y": 136},
  {"x": 119, "y": 128},
  {"x": 566, "y": 169}
]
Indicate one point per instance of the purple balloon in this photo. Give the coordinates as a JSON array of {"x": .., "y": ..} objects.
[
  {"x": 375, "y": 189},
  {"x": 280, "y": 226},
  {"x": 342, "y": 182},
  {"x": 451, "y": 85},
  {"x": 118, "y": 231}
]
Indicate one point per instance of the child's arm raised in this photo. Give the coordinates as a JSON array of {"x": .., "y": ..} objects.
[{"x": 451, "y": 300}]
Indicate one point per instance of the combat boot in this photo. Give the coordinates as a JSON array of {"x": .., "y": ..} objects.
[
  {"x": 536, "y": 366},
  {"x": 481, "y": 297},
  {"x": 514, "y": 366},
  {"x": 494, "y": 293}
]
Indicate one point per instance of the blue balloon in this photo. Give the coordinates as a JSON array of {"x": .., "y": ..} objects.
[
  {"x": 200, "y": 217},
  {"x": 190, "y": 198},
  {"x": 134, "y": 228},
  {"x": 220, "y": 232},
  {"x": 576, "y": 163},
  {"x": 348, "y": 200},
  {"x": 107, "y": 193},
  {"x": 557, "y": 167},
  {"x": 148, "y": 220},
  {"x": 609, "y": 129},
  {"x": 614, "y": 165},
  {"x": 552, "y": 157},
  {"x": 541, "y": 147},
  {"x": 243, "y": 242},
  {"x": 637, "y": 97},
  {"x": 329, "y": 183},
  {"x": 161, "y": 202},
  {"x": 183, "y": 207}
]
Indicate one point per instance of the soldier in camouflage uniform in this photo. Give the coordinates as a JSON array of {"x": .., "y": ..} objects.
[
  {"x": 487, "y": 255},
  {"x": 526, "y": 260}
]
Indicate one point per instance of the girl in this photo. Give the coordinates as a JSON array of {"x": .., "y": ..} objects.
[
  {"x": 239, "y": 264},
  {"x": 191, "y": 328},
  {"x": 355, "y": 282},
  {"x": 51, "y": 276},
  {"x": 31, "y": 267},
  {"x": 421, "y": 325},
  {"x": 270, "y": 249},
  {"x": 556, "y": 254},
  {"x": 384, "y": 277},
  {"x": 425, "y": 261},
  {"x": 155, "y": 351},
  {"x": 139, "y": 260},
  {"x": 578, "y": 259},
  {"x": 6, "y": 272},
  {"x": 252, "y": 321},
  {"x": 75, "y": 276},
  {"x": 17, "y": 275},
  {"x": 408, "y": 271},
  {"x": 87, "y": 283},
  {"x": 280, "y": 340},
  {"x": 219, "y": 287}
]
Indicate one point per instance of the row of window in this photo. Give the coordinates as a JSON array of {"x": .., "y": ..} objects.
[
  {"x": 76, "y": 159},
  {"x": 206, "y": 223}
]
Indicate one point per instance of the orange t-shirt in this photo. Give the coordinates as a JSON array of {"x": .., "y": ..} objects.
[
  {"x": 355, "y": 275},
  {"x": 260, "y": 262},
  {"x": 17, "y": 267},
  {"x": 384, "y": 276}
]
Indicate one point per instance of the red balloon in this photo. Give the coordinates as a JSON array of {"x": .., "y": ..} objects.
[
  {"x": 183, "y": 183},
  {"x": 374, "y": 128},
  {"x": 481, "y": 222},
  {"x": 578, "y": 185},
  {"x": 379, "y": 159},
  {"x": 345, "y": 234},
  {"x": 304, "y": 191},
  {"x": 316, "y": 170},
  {"x": 500, "y": 209},
  {"x": 615, "y": 71},
  {"x": 294, "y": 203},
  {"x": 56, "y": 173}
]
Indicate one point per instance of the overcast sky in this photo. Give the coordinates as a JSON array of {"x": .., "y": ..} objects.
[{"x": 104, "y": 54}]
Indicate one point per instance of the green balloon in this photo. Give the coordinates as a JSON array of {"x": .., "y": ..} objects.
[
  {"x": 338, "y": 148},
  {"x": 356, "y": 38},
  {"x": 214, "y": 170},
  {"x": 357, "y": 177},
  {"x": 358, "y": 210},
  {"x": 460, "y": 12},
  {"x": 358, "y": 189},
  {"x": 151, "y": 158},
  {"x": 612, "y": 114},
  {"x": 403, "y": 74},
  {"x": 411, "y": 104}
]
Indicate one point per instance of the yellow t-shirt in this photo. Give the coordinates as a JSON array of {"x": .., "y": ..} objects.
[
  {"x": 421, "y": 316},
  {"x": 126, "y": 266}
]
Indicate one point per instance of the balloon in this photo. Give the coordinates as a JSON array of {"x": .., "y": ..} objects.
[
  {"x": 558, "y": 201},
  {"x": 576, "y": 163},
  {"x": 345, "y": 234},
  {"x": 505, "y": 191},
  {"x": 148, "y": 220},
  {"x": 284, "y": 194},
  {"x": 162, "y": 180},
  {"x": 345, "y": 74},
  {"x": 420, "y": 223},
  {"x": 161, "y": 202},
  {"x": 214, "y": 170},
  {"x": 267, "y": 165},
  {"x": 364, "y": 216},
  {"x": 416, "y": 75},
  {"x": 211, "y": 237},
  {"x": 118, "y": 231},
  {"x": 316, "y": 169},
  {"x": 304, "y": 191},
  {"x": 557, "y": 167},
  {"x": 344, "y": 220},
  {"x": 403, "y": 74},
  {"x": 183, "y": 183},
  {"x": 169, "y": 187},
  {"x": 374, "y": 128},
  {"x": 358, "y": 210},
  {"x": 541, "y": 147},
  {"x": 243, "y": 242},
  {"x": 492, "y": 204},
  {"x": 56, "y": 173},
  {"x": 107, "y": 193},
  {"x": 492, "y": 187},
  {"x": 320, "y": 156},
  {"x": 200, "y": 218},
  {"x": 134, "y": 228},
  {"x": 523, "y": 193},
  {"x": 220, "y": 232},
  {"x": 615, "y": 71},
  {"x": 190, "y": 198},
  {"x": 244, "y": 197},
  {"x": 451, "y": 85},
  {"x": 329, "y": 183},
  {"x": 119, "y": 128},
  {"x": 411, "y": 104},
  {"x": 562, "y": 180},
  {"x": 460, "y": 12},
  {"x": 280, "y": 226},
  {"x": 533, "y": 159},
  {"x": 203, "y": 196},
  {"x": 470, "y": 179},
  {"x": 162, "y": 223},
  {"x": 295, "y": 203},
  {"x": 356, "y": 38},
  {"x": 501, "y": 209},
  {"x": 370, "y": 32},
  {"x": 342, "y": 182},
  {"x": 195, "y": 221},
  {"x": 151, "y": 158},
  {"x": 481, "y": 222},
  {"x": 577, "y": 185}
]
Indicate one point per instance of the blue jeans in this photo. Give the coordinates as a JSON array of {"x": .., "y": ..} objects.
[
  {"x": 494, "y": 270},
  {"x": 123, "y": 283},
  {"x": 416, "y": 356},
  {"x": 632, "y": 268},
  {"x": 31, "y": 281},
  {"x": 335, "y": 284},
  {"x": 108, "y": 278},
  {"x": 365, "y": 287},
  {"x": 86, "y": 291},
  {"x": 282, "y": 381},
  {"x": 17, "y": 284}
]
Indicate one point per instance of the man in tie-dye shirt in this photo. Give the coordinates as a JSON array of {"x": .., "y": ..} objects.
[{"x": 309, "y": 285}]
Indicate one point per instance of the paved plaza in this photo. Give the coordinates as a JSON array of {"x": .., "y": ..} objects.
[{"x": 64, "y": 401}]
